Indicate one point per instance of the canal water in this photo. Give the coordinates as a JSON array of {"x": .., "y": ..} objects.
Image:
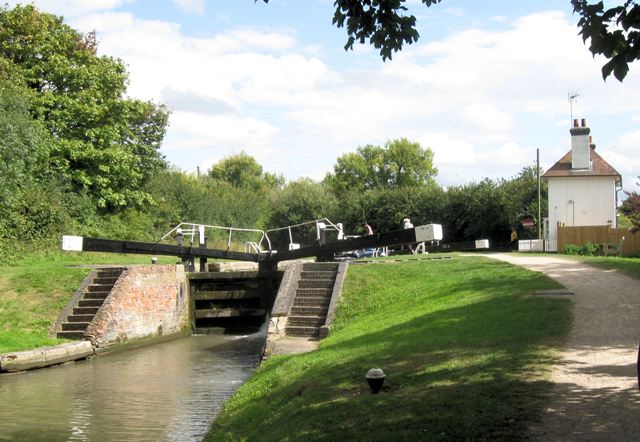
[{"x": 164, "y": 392}]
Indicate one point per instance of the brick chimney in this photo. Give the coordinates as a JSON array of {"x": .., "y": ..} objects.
[{"x": 580, "y": 146}]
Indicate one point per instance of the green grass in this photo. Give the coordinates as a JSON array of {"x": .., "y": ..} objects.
[
  {"x": 35, "y": 288},
  {"x": 628, "y": 266},
  {"x": 466, "y": 351}
]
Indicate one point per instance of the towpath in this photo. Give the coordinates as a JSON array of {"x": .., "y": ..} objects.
[{"x": 596, "y": 393}]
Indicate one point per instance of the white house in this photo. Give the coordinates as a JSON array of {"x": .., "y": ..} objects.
[{"x": 583, "y": 188}]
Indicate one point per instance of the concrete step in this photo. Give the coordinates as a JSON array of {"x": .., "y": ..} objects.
[
  {"x": 85, "y": 310},
  {"x": 309, "y": 310},
  {"x": 74, "y": 335},
  {"x": 306, "y": 321},
  {"x": 229, "y": 312},
  {"x": 74, "y": 326},
  {"x": 318, "y": 275},
  {"x": 80, "y": 318},
  {"x": 99, "y": 287},
  {"x": 302, "y": 292},
  {"x": 95, "y": 295},
  {"x": 90, "y": 303},
  {"x": 110, "y": 280},
  {"x": 315, "y": 284},
  {"x": 319, "y": 266},
  {"x": 109, "y": 274},
  {"x": 302, "y": 331},
  {"x": 309, "y": 301}
]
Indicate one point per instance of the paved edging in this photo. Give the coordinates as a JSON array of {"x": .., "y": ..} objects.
[{"x": 45, "y": 356}]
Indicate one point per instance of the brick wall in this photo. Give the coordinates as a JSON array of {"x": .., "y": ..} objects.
[{"x": 146, "y": 301}]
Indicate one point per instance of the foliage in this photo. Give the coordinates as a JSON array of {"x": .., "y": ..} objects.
[
  {"x": 400, "y": 163},
  {"x": 299, "y": 201},
  {"x": 465, "y": 352},
  {"x": 588, "y": 249},
  {"x": 244, "y": 171},
  {"x": 631, "y": 209},
  {"x": 612, "y": 32},
  {"x": 103, "y": 143}
]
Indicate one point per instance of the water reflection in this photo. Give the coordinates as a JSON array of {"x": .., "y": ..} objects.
[{"x": 169, "y": 391}]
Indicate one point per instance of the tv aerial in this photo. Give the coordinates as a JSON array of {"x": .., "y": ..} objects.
[{"x": 573, "y": 97}]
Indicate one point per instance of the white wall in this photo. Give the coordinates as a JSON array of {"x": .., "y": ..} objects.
[{"x": 581, "y": 201}]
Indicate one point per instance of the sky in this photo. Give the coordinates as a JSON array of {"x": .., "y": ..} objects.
[{"x": 485, "y": 86}]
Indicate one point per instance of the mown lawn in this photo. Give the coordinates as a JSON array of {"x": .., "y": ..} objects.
[
  {"x": 466, "y": 350},
  {"x": 35, "y": 288},
  {"x": 628, "y": 266}
]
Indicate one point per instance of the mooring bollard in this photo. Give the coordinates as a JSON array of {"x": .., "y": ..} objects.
[
  {"x": 154, "y": 260},
  {"x": 375, "y": 378}
]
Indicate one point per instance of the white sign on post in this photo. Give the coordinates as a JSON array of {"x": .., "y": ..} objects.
[
  {"x": 428, "y": 232},
  {"x": 72, "y": 243}
]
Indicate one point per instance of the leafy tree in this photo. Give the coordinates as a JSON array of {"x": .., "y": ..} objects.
[
  {"x": 631, "y": 209},
  {"x": 521, "y": 195},
  {"x": 612, "y": 32},
  {"x": 299, "y": 201},
  {"x": 384, "y": 24},
  {"x": 400, "y": 163},
  {"x": 244, "y": 171},
  {"x": 103, "y": 142}
]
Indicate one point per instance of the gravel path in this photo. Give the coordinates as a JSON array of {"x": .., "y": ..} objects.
[{"x": 596, "y": 386}]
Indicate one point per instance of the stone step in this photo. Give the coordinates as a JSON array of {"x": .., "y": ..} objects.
[
  {"x": 110, "y": 280},
  {"x": 80, "y": 318},
  {"x": 95, "y": 295},
  {"x": 90, "y": 303},
  {"x": 302, "y": 331},
  {"x": 74, "y": 326},
  {"x": 108, "y": 273},
  {"x": 319, "y": 266},
  {"x": 315, "y": 284},
  {"x": 311, "y": 302},
  {"x": 318, "y": 275},
  {"x": 303, "y": 292},
  {"x": 74, "y": 335},
  {"x": 306, "y": 321},
  {"x": 85, "y": 310},
  {"x": 229, "y": 312},
  {"x": 312, "y": 310},
  {"x": 99, "y": 287}
]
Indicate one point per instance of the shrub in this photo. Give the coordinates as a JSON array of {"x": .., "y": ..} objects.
[
  {"x": 589, "y": 249},
  {"x": 571, "y": 249}
]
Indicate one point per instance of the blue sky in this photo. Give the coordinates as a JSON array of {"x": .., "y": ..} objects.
[{"x": 484, "y": 87}]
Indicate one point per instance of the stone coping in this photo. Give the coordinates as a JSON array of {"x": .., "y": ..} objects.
[{"x": 45, "y": 356}]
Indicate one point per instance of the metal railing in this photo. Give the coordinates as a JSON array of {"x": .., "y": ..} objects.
[{"x": 193, "y": 231}]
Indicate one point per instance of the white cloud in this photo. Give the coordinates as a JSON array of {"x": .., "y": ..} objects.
[
  {"x": 482, "y": 100},
  {"x": 191, "y": 6}
]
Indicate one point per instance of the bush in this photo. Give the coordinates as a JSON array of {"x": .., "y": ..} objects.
[
  {"x": 589, "y": 249},
  {"x": 571, "y": 249}
]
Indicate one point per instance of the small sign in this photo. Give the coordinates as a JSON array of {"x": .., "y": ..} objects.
[
  {"x": 428, "y": 232},
  {"x": 482, "y": 244},
  {"x": 72, "y": 243}
]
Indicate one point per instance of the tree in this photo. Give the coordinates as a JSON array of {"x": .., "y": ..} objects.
[
  {"x": 244, "y": 171},
  {"x": 613, "y": 31},
  {"x": 103, "y": 143},
  {"x": 631, "y": 209},
  {"x": 400, "y": 163}
]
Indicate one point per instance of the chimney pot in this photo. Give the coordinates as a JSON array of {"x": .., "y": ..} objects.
[
  {"x": 575, "y": 122},
  {"x": 584, "y": 122}
]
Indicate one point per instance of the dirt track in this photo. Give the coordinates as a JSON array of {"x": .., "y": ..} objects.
[{"x": 596, "y": 386}]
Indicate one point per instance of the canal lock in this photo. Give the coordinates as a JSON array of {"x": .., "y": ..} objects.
[{"x": 233, "y": 301}]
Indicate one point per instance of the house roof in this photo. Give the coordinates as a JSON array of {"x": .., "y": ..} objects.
[{"x": 599, "y": 167}]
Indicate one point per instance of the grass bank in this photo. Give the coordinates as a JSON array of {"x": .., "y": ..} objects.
[
  {"x": 466, "y": 351},
  {"x": 35, "y": 288},
  {"x": 628, "y": 266}
]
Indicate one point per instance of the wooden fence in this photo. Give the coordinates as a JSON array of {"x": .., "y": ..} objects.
[{"x": 599, "y": 235}]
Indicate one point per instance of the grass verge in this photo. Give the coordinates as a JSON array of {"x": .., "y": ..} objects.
[
  {"x": 628, "y": 266},
  {"x": 466, "y": 351},
  {"x": 35, "y": 288}
]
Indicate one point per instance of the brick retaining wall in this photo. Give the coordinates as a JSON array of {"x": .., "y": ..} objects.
[{"x": 146, "y": 301}]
